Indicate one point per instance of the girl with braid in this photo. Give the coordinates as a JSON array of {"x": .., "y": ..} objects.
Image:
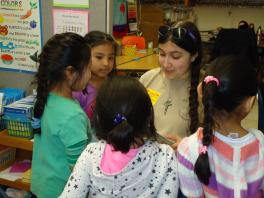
[
  {"x": 174, "y": 84},
  {"x": 64, "y": 130},
  {"x": 223, "y": 159}
]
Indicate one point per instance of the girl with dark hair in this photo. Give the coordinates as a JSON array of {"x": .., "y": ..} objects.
[
  {"x": 64, "y": 66},
  {"x": 103, "y": 64},
  {"x": 127, "y": 161},
  {"x": 223, "y": 159},
  {"x": 175, "y": 82}
]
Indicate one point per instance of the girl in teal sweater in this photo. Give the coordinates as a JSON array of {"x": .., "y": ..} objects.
[{"x": 64, "y": 66}]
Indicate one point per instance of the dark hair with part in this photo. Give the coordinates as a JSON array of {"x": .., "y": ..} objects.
[
  {"x": 192, "y": 43},
  {"x": 243, "y": 24},
  {"x": 96, "y": 38},
  {"x": 60, "y": 51},
  {"x": 237, "y": 81},
  {"x": 127, "y": 97}
]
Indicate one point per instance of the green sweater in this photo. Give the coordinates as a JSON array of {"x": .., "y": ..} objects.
[{"x": 65, "y": 131}]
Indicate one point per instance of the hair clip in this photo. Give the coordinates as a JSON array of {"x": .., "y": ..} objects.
[
  {"x": 208, "y": 79},
  {"x": 203, "y": 149},
  {"x": 118, "y": 119}
]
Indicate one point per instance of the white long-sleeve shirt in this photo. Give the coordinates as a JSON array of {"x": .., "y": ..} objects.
[{"x": 151, "y": 173}]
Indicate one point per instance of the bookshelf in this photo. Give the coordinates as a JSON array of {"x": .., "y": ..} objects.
[
  {"x": 17, "y": 142},
  {"x": 24, "y": 151}
]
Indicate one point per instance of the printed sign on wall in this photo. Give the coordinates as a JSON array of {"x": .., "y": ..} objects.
[
  {"x": 70, "y": 21},
  {"x": 71, "y": 3},
  {"x": 20, "y": 35}
]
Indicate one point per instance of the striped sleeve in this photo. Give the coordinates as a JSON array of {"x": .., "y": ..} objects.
[{"x": 189, "y": 183}]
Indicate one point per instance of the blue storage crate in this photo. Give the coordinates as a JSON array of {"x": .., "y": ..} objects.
[
  {"x": 18, "y": 125},
  {"x": 19, "y": 128},
  {"x": 12, "y": 94},
  {"x": 18, "y": 117}
]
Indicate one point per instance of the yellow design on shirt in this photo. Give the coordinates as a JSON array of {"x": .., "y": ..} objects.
[{"x": 154, "y": 96}]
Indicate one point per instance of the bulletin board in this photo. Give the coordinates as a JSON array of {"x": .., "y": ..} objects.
[{"x": 20, "y": 35}]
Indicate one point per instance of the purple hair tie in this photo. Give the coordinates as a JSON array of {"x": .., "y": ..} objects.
[{"x": 118, "y": 119}]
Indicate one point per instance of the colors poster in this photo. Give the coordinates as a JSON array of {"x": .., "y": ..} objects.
[{"x": 20, "y": 35}]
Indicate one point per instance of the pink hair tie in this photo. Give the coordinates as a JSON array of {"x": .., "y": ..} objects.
[
  {"x": 208, "y": 79},
  {"x": 203, "y": 149}
]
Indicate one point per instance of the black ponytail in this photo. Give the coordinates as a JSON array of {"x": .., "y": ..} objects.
[
  {"x": 193, "y": 98},
  {"x": 121, "y": 136},
  {"x": 42, "y": 96},
  {"x": 202, "y": 167}
]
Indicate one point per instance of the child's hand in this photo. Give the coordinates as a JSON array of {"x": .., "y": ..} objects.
[{"x": 175, "y": 139}]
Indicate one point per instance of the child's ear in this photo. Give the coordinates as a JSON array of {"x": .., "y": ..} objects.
[
  {"x": 249, "y": 103},
  {"x": 69, "y": 72},
  {"x": 70, "y": 75},
  {"x": 193, "y": 58},
  {"x": 200, "y": 90}
]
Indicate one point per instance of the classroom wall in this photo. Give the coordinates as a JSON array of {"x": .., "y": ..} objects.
[
  {"x": 211, "y": 17},
  {"x": 97, "y": 21}
]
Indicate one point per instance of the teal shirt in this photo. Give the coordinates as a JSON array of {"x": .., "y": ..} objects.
[{"x": 65, "y": 131}]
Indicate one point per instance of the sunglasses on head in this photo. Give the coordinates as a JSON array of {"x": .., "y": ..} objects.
[{"x": 177, "y": 32}]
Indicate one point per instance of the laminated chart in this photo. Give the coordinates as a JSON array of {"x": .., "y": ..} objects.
[
  {"x": 20, "y": 35},
  {"x": 65, "y": 20}
]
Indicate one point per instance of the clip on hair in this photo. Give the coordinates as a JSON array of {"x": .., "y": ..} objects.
[
  {"x": 203, "y": 149},
  {"x": 118, "y": 119},
  {"x": 209, "y": 79}
]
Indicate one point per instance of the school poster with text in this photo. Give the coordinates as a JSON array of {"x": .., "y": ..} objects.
[
  {"x": 20, "y": 35},
  {"x": 76, "y": 21}
]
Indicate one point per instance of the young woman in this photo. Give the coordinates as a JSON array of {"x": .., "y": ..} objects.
[{"x": 174, "y": 83}]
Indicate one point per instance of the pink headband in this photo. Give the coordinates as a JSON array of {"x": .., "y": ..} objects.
[{"x": 208, "y": 79}]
